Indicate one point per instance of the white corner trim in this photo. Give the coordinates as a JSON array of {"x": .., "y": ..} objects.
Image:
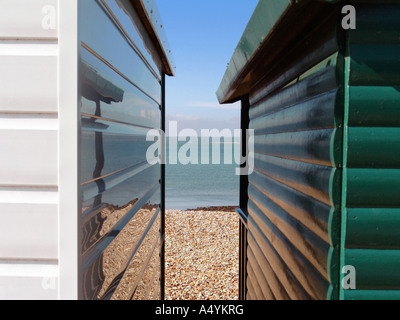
[{"x": 68, "y": 149}]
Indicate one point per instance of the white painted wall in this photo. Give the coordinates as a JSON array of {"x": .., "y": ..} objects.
[{"x": 29, "y": 140}]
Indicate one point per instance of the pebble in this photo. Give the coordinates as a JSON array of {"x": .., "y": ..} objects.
[{"x": 202, "y": 254}]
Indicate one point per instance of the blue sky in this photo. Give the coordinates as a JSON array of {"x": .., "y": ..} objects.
[{"x": 202, "y": 35}]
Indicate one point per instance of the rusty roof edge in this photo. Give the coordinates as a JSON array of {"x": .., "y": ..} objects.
[
  {"x": 148, "y": 11},
  {"x": 266, "y": 17}
]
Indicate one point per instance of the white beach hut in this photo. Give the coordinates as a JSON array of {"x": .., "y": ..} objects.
[{"x": 80, "y": 83}]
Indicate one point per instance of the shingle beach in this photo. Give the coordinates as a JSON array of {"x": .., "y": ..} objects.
[{"x": 201, "y": 254}]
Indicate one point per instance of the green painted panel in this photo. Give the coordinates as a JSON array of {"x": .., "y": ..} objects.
[
  {"x": 334, "y": 227},
  {"x": 374, "y": 106},
  {"x": 377, "y": 24},
  {"x": 333, "y": 267},
  {"x": 368, "y": 67},
  {"x": 372, "y": 294},
  {"x": 373, "y": 228},
  {"x": 374, "y": 148},
  {"x": 373, "y": 188},
  {"x": 371, "y": 179},
  {"x": 375, "y": 268}
]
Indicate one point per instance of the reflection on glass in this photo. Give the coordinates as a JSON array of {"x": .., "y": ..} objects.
[
  {"x": 99, "y": 34},
  {"x": 136, "y": 108},
  {"x": 131, "y": 24},
  {"x": 97, "y": 89},
  {"x": 120, "y": 196},
  {"x": 105, "y": 274},
  {"x": 102, "y": 223},
  {"x": 139, "y": 263},
  {"x": 149, "y": 287},
  {"x": 120, "y": 192}
]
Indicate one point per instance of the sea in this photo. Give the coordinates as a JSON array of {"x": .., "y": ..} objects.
[{"x": 198, "y": 184}]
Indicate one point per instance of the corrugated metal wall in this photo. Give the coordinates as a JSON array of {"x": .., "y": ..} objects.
[
  {"x": 294, "y": 191},
  {"x": 28, "y": 144},
  {"x": 371, "y": 237},
  {"x": 121, "y": 88}
]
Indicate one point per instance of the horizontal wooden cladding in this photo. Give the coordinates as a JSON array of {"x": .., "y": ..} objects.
[
  {"x": 259, "y": 288},
  {"x": 267, "y": 275},
  {"x": 318, "y": 83},
  {"x": 297, "y": 65},
  {"x": 28, "y": 48},
  {"x": 311, "y": 280},
  {"x": 29, "y": 230},
  {"x": 372, "y": 176},
  {"x": 94, "y": 24},
  {"x": 28, "y": 195},
  {"x": 373, "y": 228},
  {"x": 29, "y": 157},
  {"x": 313, "y": 214},
  {"x": 373, "y": 147},
  {"x": 315, "y": 113},
  {"x": 287, "y": 285},
  {"x": 29, "y": 280},
  {"x": 24, "y": 288},
  {"x": 29, "y": 267},
  {"x": 320, "y": 147},
  {"x": 374, "y": 106},
  {"x": 376, "y": 269},
  {"x": 368, "y": 67},
  {"x": 28, "y": 83},
  {"x": 313, "y": 248},
  {"x": 373, "y": 188},
  {"x": 295, "y": 186},
  {"x": 316, "y": 181},
  {"x": 27, "y": 19}
]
